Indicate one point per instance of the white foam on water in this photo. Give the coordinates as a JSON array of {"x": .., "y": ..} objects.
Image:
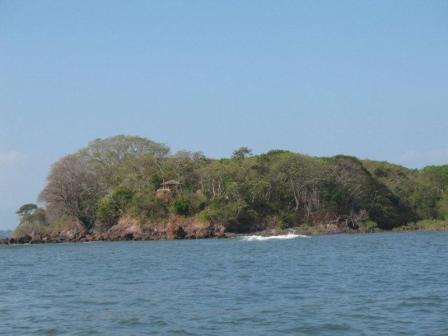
[{"x": 262, "y": 238}]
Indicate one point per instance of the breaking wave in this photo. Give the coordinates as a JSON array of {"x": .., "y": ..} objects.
[{"x": 285, "y": 236}]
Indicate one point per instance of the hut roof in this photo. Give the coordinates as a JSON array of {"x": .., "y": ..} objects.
[{"x": 170, "y": 183}]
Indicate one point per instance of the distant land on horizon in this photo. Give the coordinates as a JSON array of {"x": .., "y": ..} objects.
[{"x": 5, "y": 234}]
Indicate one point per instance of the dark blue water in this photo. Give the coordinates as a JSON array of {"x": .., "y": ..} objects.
[{"x": 376, "y": 284}]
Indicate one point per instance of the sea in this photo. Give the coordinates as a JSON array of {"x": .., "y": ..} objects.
[{"x": 345, "y": 284}]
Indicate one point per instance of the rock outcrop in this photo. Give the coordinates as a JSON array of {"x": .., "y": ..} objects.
[{"x": 129, "y": 228}]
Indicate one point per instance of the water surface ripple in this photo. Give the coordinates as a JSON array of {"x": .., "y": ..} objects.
[{"x": 377, "y": 284}]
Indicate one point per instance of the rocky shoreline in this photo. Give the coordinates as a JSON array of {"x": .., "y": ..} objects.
[
  {"x": 176, "y": 232},
  {"x": 171, "y": 231},
  {"x": 92, "y": 238},
  {"x": 121, "y": 233},
  {"x": 95, "y": 237}
]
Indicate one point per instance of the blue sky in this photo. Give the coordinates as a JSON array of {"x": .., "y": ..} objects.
[{"x": 365, "y": 78}]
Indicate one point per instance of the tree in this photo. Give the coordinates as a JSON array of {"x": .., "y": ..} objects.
[
  {"x": 430, "y": 192},
  {"x": 113, "y": 150},
  {"x": 107, "y": 155},
  {"x": 32, "y": 221},
  {"x": 30, "y": 213},
  {"x": 357, "y": 190},
  {"x": 26, "y": 210},
  {"x": 296, "y": 179},
  {"x": 121, "y": 176},
  {"x": 241, "y": 153},
  {"x": 112, "y": 206},
  {"x": 72, "y": 189}
]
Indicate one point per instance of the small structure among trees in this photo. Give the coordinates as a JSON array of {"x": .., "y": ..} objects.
[
  {"x": 167, "y": 188},
  {"x": 170, "y": 185}
]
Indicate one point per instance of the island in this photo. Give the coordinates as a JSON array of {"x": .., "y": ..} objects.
[{"x": 133, "y": 188}]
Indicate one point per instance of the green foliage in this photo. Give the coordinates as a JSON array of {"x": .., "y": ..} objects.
[
  {"x": 112, "y": 206},
  {"x": 31, "y": 214},
  {"x": 117, "y": 149},
  {"x": 425, "y": 225},
  {"x": 26, "y": 209},
  {"x": 124, "y": 175},
  {"x": 105, "y": 156},
  {"x": 146, "y": 206},
  {"x": 369, "y": 226},
  {"x": 181, "y": 206},
  {"x": 442, "y": 206},
  {"x": 32, "y": 220},
  {"x": 235, "y": 216}
]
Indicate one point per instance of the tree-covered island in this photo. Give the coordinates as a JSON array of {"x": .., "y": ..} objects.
[{"x": 127, "y": 187}]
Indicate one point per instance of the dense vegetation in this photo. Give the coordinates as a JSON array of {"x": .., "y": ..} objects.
[{"x": 133, "y": 177}]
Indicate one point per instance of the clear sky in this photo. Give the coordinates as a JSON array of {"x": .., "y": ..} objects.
[{"x": 365, "y": 78}]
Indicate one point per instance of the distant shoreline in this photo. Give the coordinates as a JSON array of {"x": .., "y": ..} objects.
[{"x": 5, "y": 234}]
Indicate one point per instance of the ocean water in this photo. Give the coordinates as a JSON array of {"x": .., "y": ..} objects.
[{"x": 376, "y": 284}]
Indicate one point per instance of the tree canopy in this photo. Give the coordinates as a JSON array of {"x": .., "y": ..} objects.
[{"x": 124, "y": 176}]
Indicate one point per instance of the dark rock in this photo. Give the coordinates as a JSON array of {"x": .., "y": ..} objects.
[
  {"x": 175, "y": 231},
  {"x": 23, "y": 239},
  {"x": 128, "y": 236}
]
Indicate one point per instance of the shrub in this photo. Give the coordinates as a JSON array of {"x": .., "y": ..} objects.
[
  {"x": 235, "y": 216},
  {"x": 111, "y": 207},
  {"x": 181, "y": 206},
  {"x": 147, "y": 206},
  {"x": 369, "y": 226}
]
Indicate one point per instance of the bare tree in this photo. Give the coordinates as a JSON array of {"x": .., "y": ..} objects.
[{"x": 73, "y": 189}]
